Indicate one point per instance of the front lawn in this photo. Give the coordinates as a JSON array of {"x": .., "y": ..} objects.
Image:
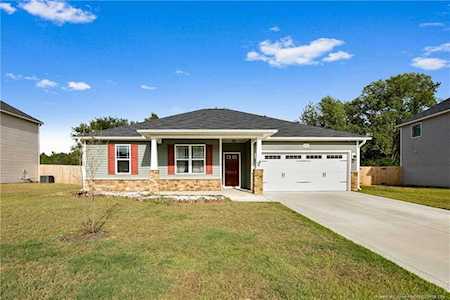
[
  {"x": 182, "y": 251},
  {"x": 434, "y": 197}
]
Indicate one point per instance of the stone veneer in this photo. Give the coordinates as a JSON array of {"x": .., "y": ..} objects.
[
  {"x": 180, "y": 185},
  {"x": 119, "y": 185},
  {"x": 154, "y": 184},
  {"x": 258, "y": 175},
  {"x": 354, "y": 182}
]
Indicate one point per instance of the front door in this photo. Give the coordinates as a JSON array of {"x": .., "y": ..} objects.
[{"x": 232, "y": 169}]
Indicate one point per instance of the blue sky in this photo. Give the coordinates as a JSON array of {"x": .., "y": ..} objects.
[{"x": 68, "y": 62}]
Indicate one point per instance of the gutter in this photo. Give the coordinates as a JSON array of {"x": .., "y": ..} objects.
[
  {"x": 424, "y": 117},
  {"x": 35, "y": 121}
]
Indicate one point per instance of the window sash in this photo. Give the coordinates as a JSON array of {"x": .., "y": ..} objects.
[
  {"x": 416, "y": 130},
  {"x": 128, "y": 159},
  {"x": 190, "y": 159}
]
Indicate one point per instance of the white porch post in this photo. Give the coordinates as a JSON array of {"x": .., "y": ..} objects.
[
  {"x": 154, "y": 154},
  {"x": 358, "y": 153},
  {"x": 258, "y": 152},
  {"x": 220, "y": 161},
  {"x": 252, "y": 154}
]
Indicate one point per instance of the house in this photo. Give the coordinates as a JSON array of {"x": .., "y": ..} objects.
[
  {"x": 425, "y": 147},
  {"x": 211, "y": 149},
  {"x": 19, "y": 145}
]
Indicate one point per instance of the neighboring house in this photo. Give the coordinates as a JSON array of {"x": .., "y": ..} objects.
[
  {"x": 425, "y": 147},
  {"x": 19, "y": 145},
  {"x": 210, "y": 149}
]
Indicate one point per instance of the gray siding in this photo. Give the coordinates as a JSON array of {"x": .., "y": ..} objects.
[
  {"x": 426, "y": 159},
  {"x": 19, "y": 149},
  {"x": 283, "y": 146},
  {"x": 97, "y": 161}
]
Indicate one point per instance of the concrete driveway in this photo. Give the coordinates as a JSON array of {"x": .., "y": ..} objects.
[{"x": 416, "y": 237}]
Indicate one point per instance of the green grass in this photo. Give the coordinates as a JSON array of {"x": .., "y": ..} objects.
[
  {"x": 184, "y": 251},
  {"x": 434, "y": 197}
]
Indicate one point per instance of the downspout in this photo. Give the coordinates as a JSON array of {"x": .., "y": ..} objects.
[{"x": 358, "y": 161}]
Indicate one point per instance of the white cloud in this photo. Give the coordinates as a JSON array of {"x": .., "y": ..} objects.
[
  {"x": 182, "y": 73},
  {"x": 148, "y": 87},
  {"x": 339, "y": 55},
  {"x": 32, "y": 77},
  {"x": 7, "y": 7},
  {"x": 284, "y": 52},
  {"x": 428, "y": 63},
  {"x": 58, "y": 12},
  {"x": 275, "y": 29},
  {"x": 441, "y": 48},
  {"x": 13, "y": 76},
  {"x": 432, "y": 24},
  {"x": 78, "y": 86},
  {"x": 21, "y": 77},
  {"x": 46, "y": 83}
]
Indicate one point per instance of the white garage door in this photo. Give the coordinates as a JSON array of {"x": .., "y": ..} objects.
[{"x": 305, "y": 171}]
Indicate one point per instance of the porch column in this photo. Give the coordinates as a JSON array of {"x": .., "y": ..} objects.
[
  {"x": 154, "y": 155},
  {"x": 258, "y": 152},
  {"x": 220, "y": 162}
]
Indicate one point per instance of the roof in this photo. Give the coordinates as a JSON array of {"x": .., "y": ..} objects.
[
  {"x": 439, "y": 108},
  {"x": 11, "y": 110},
  {"x": 223, "y": 119}
]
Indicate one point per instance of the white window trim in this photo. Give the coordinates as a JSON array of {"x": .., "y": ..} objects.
[
  {"x": 412, "y": 126},
  {"x": 190, "y": 159},
  {"x": 116, "y": 159}
]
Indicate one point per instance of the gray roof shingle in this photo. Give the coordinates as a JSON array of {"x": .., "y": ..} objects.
[
  {"x": 226, "y": 119},
  {"x": 441, "y": 106},
  {"x": 12, "y": 110}
]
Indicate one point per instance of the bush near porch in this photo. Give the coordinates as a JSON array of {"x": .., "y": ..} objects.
[{"x": 173, "y": 251}]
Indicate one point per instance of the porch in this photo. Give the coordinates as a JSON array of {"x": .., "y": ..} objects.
[{"x": 230, "y": 161}]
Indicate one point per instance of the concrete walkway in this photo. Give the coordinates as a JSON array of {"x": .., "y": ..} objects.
[{"x": 413, "y": 236}]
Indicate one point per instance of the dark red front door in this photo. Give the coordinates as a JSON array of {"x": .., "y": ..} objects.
[{"x": 231, "y": 169}]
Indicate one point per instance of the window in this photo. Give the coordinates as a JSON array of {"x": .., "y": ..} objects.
[
  {"x": 272, "y": 156},
  {"x": 334, "y": 156},
  {"x": 122, "y": 159},
  {"x": 416, "y": 130},
  {"x": 190, "y": 159},
  {"x": 293, "y": 157},
  {"x": 314, "y": 156}
]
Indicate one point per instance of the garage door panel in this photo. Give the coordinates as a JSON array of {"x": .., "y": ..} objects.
[{"x": 313, "y": 172}]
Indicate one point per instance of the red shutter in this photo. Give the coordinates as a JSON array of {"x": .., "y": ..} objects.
[
  {"x": 111, "y": 159},
  {"x": 134, "y": 159},
  {"x": 170, "y": 160},
  {"x": 209, "y": 159}
]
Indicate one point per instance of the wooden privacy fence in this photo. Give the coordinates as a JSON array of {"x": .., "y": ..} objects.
[
  {"x": 62, "y": 173},
  {"x": 380, "y": 175}
]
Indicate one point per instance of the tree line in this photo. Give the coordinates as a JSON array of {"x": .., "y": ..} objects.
[
  {"x": 97, "y": 124},
  {"x": 377, "y": 111}
]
